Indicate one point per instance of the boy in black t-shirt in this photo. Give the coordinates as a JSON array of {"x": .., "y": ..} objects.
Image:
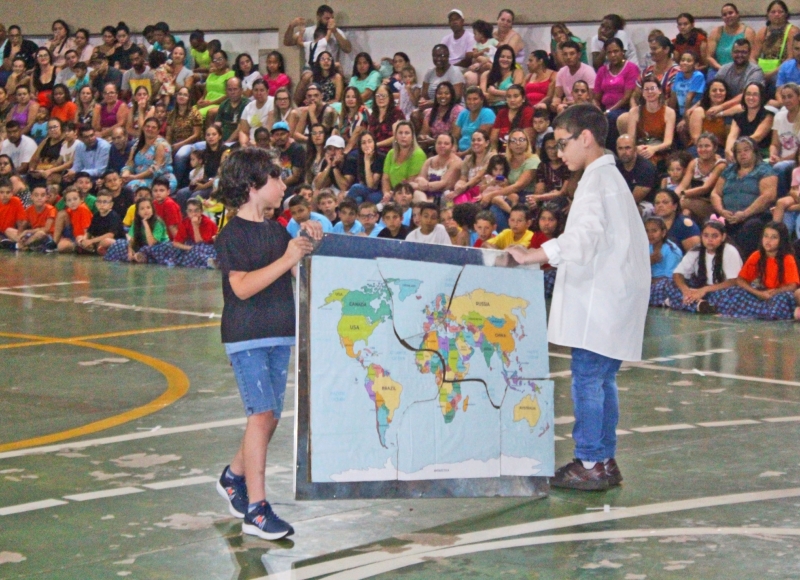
[
  {"x": 256, "y": 257},
  {"x": 392, "y": 217},
  {"x": 105, "y": 229}
]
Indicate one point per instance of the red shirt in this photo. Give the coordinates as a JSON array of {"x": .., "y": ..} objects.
[
  {"x": 80, "y": 218},
  {"x": 749, "y": 271},
  {"x": 169, "y": 211},
  {"x": 185, "y": 235},
  {"x": 11, "y": 213},
  {"x": 38, "y": 219},
  {"x": 65, "y": 112},
  {"x": 523, "y": 120},
  {"x": 536, "y": 242}
]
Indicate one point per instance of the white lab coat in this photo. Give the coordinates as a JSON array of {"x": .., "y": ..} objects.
[{"x": 602, "y": 286}]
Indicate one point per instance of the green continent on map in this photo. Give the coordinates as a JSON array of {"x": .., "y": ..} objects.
[
  {"x": 385, "y": 393},
  {"x": 362, "y": 311}
]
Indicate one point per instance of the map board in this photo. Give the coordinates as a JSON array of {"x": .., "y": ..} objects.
[{"x": 421, "y": 374}]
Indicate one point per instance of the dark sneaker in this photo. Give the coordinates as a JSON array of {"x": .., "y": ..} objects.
[
  {"x": 265, "y": 523},
  {"x": 575, "y": 476},
  {"x": 8, "y": 244},
  {"x": 613, "y": 473},
  {"x": 703, "y": 307},
  {"x": 235, "y": 493}
]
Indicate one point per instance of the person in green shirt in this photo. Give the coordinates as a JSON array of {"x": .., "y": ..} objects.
[
  {"x": 365, "y": 78},
  {"x": 404, "y": 161},
  {"x": 147, "y": 235},
  {"x": 215, "y": 84}
]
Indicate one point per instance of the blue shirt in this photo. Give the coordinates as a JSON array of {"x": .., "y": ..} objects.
[
  {"x": 788, "y": 72},
  {"x": 294, "y": 228},
  {"x": 354, "y": 231},
  {"x": 93, "y": 161},
  {"x": 375, "y": 231},
  {"x": 739, "y": 193},
  {"x": 681, "y": 86},
  {"x": 485, "y": 117},
  {"x": 671, "y": 256}
]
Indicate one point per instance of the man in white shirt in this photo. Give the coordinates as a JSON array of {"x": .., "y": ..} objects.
[
  {"x": 20, "y": 148},
  {"x": 430, "y": 231},
  {"x": 458, "y": 41},
  {"x": 337, "y": 43},
  {"x": 601, "y": 294}
]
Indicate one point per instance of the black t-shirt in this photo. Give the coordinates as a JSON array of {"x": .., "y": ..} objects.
[
  {"x": 122, "y": 56},
  {"x": 401, "y": 235},
  {"x": 245, "y": 246},
  {"x": 112, "y": 76},
  {"x": 352, "y": 165},
  {"x": 110, "y": 223},
  {"x": 747, "y": 128},
  {"x": 123, "y": 201},
  {"x": 643, "y": 174},
  {"x": 27, "y": 51}
]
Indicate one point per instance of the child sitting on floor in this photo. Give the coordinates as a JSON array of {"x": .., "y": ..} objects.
[
  {"x": 485, "y": 225},
  {"x": 665, "y": 255},
  {"x": 194, "y": 241},
  {"x": 458, "y": 235},
  {"x": 326, "y": 205},
  {"x": 79, "y": 217},
  {"x": 392, "y": 217},
  {"x": 518, "y": 232},
  {"x": 300, "y": 209},
  {"x": 40, "y": 218},
  {"x": 368, "y": 216},
  {"x": 430, "y": 231},
  {"x": 549, "y": 225},
  {"x": 105, "y": 229},
  {"x": 348, "y": 222},
  {"x": 12, "y": 215}
]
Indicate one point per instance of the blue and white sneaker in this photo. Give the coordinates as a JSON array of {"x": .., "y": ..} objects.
[
  {"x": 235, "y": 494},
  {"x": 265, "y": 523}
]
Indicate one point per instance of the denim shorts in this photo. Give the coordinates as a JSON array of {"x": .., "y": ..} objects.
[{"x": 261, "y": 375}]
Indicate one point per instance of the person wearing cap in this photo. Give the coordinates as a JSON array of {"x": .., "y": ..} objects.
[
  {"x": 458, "y": 41},
  {"x": 290, "y": 156},
  {"x": 314, "y": 112},
  {"x": 331, "y": 173}
]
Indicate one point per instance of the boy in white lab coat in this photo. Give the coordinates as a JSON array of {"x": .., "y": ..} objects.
[{"x": 601, "y": 292}]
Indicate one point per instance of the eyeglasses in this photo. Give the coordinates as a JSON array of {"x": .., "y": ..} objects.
[
  {"x": 561, "y": 144},
  {"x": 381, "y": 96},
  {"x": 518, "y": 141},
  {"x": 366, "y": 216}
]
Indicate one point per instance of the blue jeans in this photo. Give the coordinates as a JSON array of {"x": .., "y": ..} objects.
[
  {"x": 361, "y": 193},
  {"x": 500, "y": 217},
  {"x": 792, "y": 221},
  {"x": 180, "y": 162},
  {"x": 261, "y": 375},
  {"x": 595, "y": 405},
  {"x": 784, "y": 171}
]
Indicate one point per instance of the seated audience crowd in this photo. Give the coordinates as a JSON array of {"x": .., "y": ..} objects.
[{"x": 112, "y": 147}]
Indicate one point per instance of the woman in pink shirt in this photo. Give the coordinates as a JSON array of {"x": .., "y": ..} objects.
[{"x": 614, "y": 85}]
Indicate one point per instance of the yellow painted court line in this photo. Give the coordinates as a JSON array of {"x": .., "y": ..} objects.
[
  {"x": 72, "y": 339},
  {"x": 177, "y": 387}
]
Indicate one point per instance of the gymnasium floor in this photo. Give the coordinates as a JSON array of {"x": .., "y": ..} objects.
[{"x": 119, "y": 411}]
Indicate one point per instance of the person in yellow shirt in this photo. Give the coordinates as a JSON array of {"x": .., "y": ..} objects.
[{"x": 518, "y": 232}]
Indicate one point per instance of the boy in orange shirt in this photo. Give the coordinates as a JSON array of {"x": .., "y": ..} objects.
[
  {"x": 79, "y": 218},
  {"x": 12, "y": 215},
  {"x": 40, "y": 219}
]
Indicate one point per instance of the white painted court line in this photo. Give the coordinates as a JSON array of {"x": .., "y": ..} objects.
[
  {"x": 103, "y": 303},
  {"x": 350, "y": 562},
  {"x": 103, "y": 493},
  {"x": 182, "y": 482},
  {"x": 29, "y": 507},
  {"x": 406, "y": 560},
  {"x": 730, "y": 423},
  {"x": 45, "y": 285},
  {"x": 129, "y": 437},
  {"x": 782, "y": 419},
  {"x": 657, "y": 428}
]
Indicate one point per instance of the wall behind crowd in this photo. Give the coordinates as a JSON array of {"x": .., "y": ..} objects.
[{"x": 257, "y": 27}]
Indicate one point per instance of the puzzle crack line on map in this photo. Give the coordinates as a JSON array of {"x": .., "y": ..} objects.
[{"x": 473, "y": 350}]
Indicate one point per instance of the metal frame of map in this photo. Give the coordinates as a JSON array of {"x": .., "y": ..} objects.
[{"x": 305, "y": 489}]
